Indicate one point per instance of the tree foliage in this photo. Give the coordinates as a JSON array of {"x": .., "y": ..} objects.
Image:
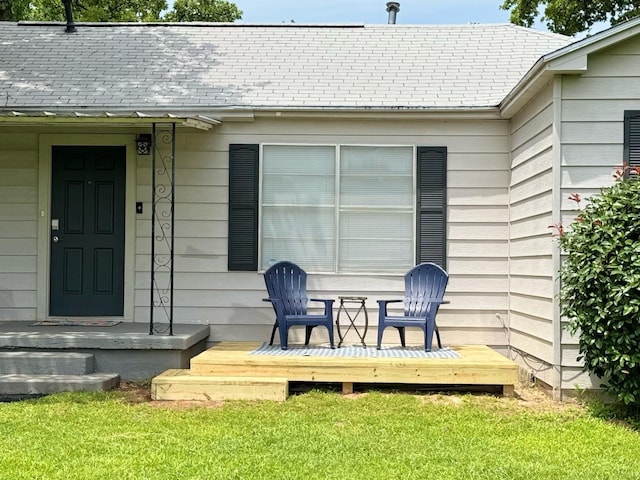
[
  {"x": 121, "y": 10},
  {"x": 570, "y": 17},
  {"x": 99, "y": 10},
  {"x": 13, "y": 9},
  {"x": 600, "y": 290},
  {"x": 203, "y": 11}
]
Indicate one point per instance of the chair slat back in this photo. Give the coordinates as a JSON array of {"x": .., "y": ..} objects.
[
  {"x": 288, "y": 282},
  {"x": 423, "y": 283}
]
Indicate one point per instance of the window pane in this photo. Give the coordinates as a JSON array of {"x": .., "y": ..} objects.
[
  {"x": 376, "y": 209},
  {"x": 376, "y": 176},
  {"x": 390, "y": 256},
  {"x": 312, "y": 254},
  {"x": 302, "y": 235},
  {"x": 298, "y": 214},
  {"x": 376, "y": 241},
  {"x": 376, "y": 191},
  {"x": 299, "y": 159},
  {"x": 382, "y": 160},
  {"x": 298, "y": 222},
  {"x": 298, "y": 189}
]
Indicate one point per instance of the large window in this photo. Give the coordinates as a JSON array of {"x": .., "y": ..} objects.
[{"x": 337, "y": 208}]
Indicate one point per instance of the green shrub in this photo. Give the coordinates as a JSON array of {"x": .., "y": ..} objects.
[{"x": 600, "y": 290}]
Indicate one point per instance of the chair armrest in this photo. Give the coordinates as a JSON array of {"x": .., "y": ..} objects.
[
  {"x": 321, "y": 300},
  {"x": 277, "y": 305},
  {"x": 382, "y": 304},
  {"x": 328, "y": 304}
]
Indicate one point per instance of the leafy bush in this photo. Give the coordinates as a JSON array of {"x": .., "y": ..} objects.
[{"x": 600, "y": 290}]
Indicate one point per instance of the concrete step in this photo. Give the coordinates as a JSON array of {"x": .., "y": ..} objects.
[
  {"x": 18, "y": 384},
  {"x": 46, "y": 363},
  {"x": 180, "y": 384}
]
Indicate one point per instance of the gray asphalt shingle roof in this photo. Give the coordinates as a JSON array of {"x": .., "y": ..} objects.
[{"x": 137, "y": 66}]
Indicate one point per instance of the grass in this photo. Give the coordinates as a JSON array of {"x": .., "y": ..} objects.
[{"x": 317, "y": 435}]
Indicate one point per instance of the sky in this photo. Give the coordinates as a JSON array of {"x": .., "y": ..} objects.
[{"x": 372, "y": 11}]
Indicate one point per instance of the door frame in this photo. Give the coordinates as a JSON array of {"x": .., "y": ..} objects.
[{"x": 46, "y": 141}]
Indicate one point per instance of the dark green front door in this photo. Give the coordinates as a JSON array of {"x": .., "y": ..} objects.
[{"x": 87, "y": 231}]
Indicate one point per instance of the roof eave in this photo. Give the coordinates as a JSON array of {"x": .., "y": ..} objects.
[
  {"x": 242, "y": 113},
  {"x": 404, "y": 112},
  {"x": 43, "y": 117},
  {"x": 569, "y": 60}
]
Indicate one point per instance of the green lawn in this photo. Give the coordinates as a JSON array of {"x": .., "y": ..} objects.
[{"x": 312, "y": 436}]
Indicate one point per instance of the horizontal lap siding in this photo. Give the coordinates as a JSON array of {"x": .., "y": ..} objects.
[
  {"x": 231, "y": 302},
  {"x": 18, "y": 224},
  {"x": 593, "y": 106},
  {"x": 531, "y": 246},
  {"x": 200, "y": 229}
]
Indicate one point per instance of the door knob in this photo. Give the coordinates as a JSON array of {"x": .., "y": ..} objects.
[{"x": 56, "y": 239}]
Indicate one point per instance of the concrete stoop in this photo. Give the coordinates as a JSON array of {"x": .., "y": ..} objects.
[{"x": 30, "y": 373}]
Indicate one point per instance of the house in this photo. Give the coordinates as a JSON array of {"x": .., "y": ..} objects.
[{"x": 353, "y": 150}]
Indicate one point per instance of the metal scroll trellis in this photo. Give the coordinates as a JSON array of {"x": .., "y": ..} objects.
[{"x": 162, "y": 228}]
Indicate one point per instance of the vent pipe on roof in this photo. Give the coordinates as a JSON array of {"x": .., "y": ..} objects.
[
  {"x": 68, "y": 13},
  {"x": 393, "y": 8}
]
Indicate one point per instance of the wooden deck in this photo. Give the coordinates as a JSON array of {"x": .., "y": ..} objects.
[{"x": 228, "y": 371}]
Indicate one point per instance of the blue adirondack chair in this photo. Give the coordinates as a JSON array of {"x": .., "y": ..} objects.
[
  {"x": 287, "y": 287},
  {"x": 424, "y": 288}
]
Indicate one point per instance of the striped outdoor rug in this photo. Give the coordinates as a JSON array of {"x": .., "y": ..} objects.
[{"x": 354, "y": 351}]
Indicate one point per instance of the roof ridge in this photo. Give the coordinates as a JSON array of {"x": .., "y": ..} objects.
[
  {"x": 34, "y": 23},
  {"x": 216, "y": 25}
]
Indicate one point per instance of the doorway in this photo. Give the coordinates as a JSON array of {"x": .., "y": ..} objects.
[{"x": 87, "y": 231}]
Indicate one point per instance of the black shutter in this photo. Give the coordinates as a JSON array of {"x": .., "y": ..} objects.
[
  {"x": 243, "y": 207},
  {"x": 432, "y": 205},
  {"x": 632, "y": 138}
]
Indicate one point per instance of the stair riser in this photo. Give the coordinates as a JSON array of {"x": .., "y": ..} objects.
[
  {"x": 180, "y": 385},
  {"x": 46, "y": 384},
  {"x": 44, "y": 363}
]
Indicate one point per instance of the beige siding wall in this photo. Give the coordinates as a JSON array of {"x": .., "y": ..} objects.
[
  {"x": 593, "y": 108},
  {"x": 231, "y": 302},
  {"x": 531, "y": 246},
  {"x": 18, "y": 224}
]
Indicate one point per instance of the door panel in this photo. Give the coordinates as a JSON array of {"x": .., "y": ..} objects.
[{"x": 87, "y": 231}]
